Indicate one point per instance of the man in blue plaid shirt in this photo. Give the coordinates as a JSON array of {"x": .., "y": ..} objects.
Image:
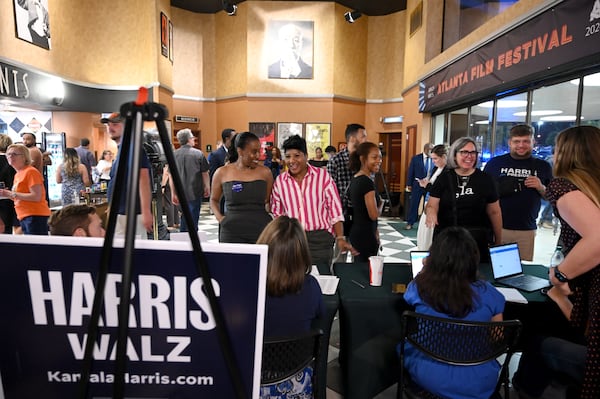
[{"x": 341, "y": 174}]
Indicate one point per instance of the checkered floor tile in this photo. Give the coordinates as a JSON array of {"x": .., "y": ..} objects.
[{"x": 395, "y": 246}]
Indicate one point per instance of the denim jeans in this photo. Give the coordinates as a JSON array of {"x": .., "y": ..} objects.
[
  {"x": 35, "y": 225},
  {"x": 195, "y": 211},
  {"x": 547, "y": 358}
]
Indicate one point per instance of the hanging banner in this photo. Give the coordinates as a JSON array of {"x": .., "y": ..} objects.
[
  {"x": 568, "y": 32},
  {"x": 46, "y": 296}
]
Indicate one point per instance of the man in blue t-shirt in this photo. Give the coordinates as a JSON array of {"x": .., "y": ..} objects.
[{"x": 522, "y": 181}]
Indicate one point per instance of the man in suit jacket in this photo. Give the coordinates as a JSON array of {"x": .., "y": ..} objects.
[
  {"x": 216, "y": 159},
  {"x": 420, "y": 167}
]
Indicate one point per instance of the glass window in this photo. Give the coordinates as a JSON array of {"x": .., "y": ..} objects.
[
  {"x": 510, "y": 111},
  {"x": 462, "y": 17},
  {"x": 458, "y": 125},
  {"x": 481, "y": 128},
  {"x": 553, "y": 109},
  {"x": 590, "y": 112},
  {"x": 438, "y": 129}
]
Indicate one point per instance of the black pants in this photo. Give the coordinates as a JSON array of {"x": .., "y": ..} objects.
[{"x": 320, "y": 243}]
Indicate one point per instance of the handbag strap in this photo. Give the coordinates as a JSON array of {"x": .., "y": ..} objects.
[{"x": 453, "y": 196}]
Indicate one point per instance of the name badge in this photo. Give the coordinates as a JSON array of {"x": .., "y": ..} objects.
[{"x": 237, "y": 187}]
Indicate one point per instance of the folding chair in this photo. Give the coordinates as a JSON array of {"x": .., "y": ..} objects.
[
  {"x": 456, "y": 342},
  {"x": 285, "y": 357}
]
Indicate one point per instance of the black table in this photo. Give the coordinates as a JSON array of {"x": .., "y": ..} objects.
[
  {"x": 331, "y": 303},
  {"x": 370, "y": 320}
]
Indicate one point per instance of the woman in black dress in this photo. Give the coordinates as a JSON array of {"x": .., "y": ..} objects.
[{"x": 367, "y": 205}]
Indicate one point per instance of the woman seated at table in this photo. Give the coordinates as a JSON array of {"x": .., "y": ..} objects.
[
  {"x": 448, "y": 286},
  {"x": 294, "y": 297}
]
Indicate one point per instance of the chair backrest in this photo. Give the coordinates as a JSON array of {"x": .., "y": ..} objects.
[
  {"x": 459, "y": 342},
  {"x": 285, "y": 356}
]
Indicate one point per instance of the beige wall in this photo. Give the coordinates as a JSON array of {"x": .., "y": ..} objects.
[
  {"x": 108, "y": 42},
  {"x": 194, "y": 54},
  {"x": 385, "y": 59}
]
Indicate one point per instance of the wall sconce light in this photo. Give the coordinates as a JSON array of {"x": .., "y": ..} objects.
[
  {"x": 352, "y": 16},
  {"x": 55, "y": 89},
  {"x": 229, "y": 8},
  {"x": 392, "y": 119}
]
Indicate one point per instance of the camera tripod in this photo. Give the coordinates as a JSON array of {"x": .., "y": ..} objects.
[{"x": 129, "y": 162}]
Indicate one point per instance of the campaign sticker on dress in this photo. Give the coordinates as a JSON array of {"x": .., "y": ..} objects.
[{"x": 236, "y": 187}]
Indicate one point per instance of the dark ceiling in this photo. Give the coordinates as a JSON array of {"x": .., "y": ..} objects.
[{"x": 367, "y": 7}]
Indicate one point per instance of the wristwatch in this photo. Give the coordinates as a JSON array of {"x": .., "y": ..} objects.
[
  {"x": 13, "y": 195},
  {"x": 560, "y": 276}
]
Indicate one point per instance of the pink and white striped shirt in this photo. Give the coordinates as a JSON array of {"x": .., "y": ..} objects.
[{"x": 315, "y": 203}]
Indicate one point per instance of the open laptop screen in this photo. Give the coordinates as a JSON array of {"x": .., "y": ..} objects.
[
  {"x": 416, "y": 261},
  {"x": 505, "y": 260}
]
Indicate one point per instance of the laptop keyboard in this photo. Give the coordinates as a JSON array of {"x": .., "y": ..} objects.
[{"x": 522, "y": 280}]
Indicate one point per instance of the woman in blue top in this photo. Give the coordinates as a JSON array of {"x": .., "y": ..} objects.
[
  {"x": 448, "y": 286},
  {"x": 294, "y": 298}
]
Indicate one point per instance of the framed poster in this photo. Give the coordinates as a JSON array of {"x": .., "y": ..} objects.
[
  {"x": 164, "y": 35},
  {"x": 317, "y": 135},
  {"x": 291, "y": 49},
  {"x": 287, "y": 129},
  {"x": 170, "y": 41},
  {"x": 266, "y": 134},
  {"x": 32, "y": 22}
]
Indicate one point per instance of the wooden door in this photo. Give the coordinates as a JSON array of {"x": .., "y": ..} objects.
[{"x": 394, "y": 162}]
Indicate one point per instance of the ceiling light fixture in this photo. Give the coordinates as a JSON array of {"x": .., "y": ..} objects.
[
  {"x": 504, "y": 104},
  {"x": 229, "y": 8},
  {"x": 540, "y": 112},
  {"x": 559, "y": 118},
  {"x": 352, "y": 16}
]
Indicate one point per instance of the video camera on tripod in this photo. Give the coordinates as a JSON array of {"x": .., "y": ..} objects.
[{"x": 156, "y": 155}]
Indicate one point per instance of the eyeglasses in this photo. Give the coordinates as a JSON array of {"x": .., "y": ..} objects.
[
  {"x": 466, "y": 153},
  {"x": 13, "y": 154}
]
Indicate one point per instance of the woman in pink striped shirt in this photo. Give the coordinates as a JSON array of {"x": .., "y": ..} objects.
[{"x": 310, "y": 195}]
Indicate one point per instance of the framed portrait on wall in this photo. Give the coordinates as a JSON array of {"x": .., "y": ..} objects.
[
  {"x": 287, "y": 129},
  {"x": 266, "y": 134},
  {"x": 317, "y": 135},
  {"x": 164, "y": 35},
  {"x": 32, "y": 22},
  {"x": 290, "y": 45}
]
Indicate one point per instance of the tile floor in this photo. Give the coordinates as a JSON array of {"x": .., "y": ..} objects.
[{"x": 397, "y": 244}]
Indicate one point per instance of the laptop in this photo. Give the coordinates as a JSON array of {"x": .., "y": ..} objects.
[
  {"x": 508, "y": 270},
  {"x": 416, "y": 261}
]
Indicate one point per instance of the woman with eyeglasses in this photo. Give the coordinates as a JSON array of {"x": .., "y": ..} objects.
[
  {"x": 28, "y": 192},
  {"x": 465, "y": 196}
]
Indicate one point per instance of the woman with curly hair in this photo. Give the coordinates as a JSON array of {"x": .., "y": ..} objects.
[{"x": 73, "y": 175}]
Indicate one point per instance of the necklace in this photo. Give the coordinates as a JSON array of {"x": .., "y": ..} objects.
[{"x": 462, "y": 181}]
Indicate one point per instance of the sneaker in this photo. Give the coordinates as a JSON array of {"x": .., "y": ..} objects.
[{"x": 408, "y": 227}]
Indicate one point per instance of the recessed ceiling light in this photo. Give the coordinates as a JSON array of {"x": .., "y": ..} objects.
[
  {"x": 542, "y": 112},
  {"x": 504, "y": 104},
  {"x": 559, "y": 118}
]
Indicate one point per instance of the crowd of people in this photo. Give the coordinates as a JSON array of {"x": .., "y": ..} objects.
[{"x": 305, "y": 208}]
